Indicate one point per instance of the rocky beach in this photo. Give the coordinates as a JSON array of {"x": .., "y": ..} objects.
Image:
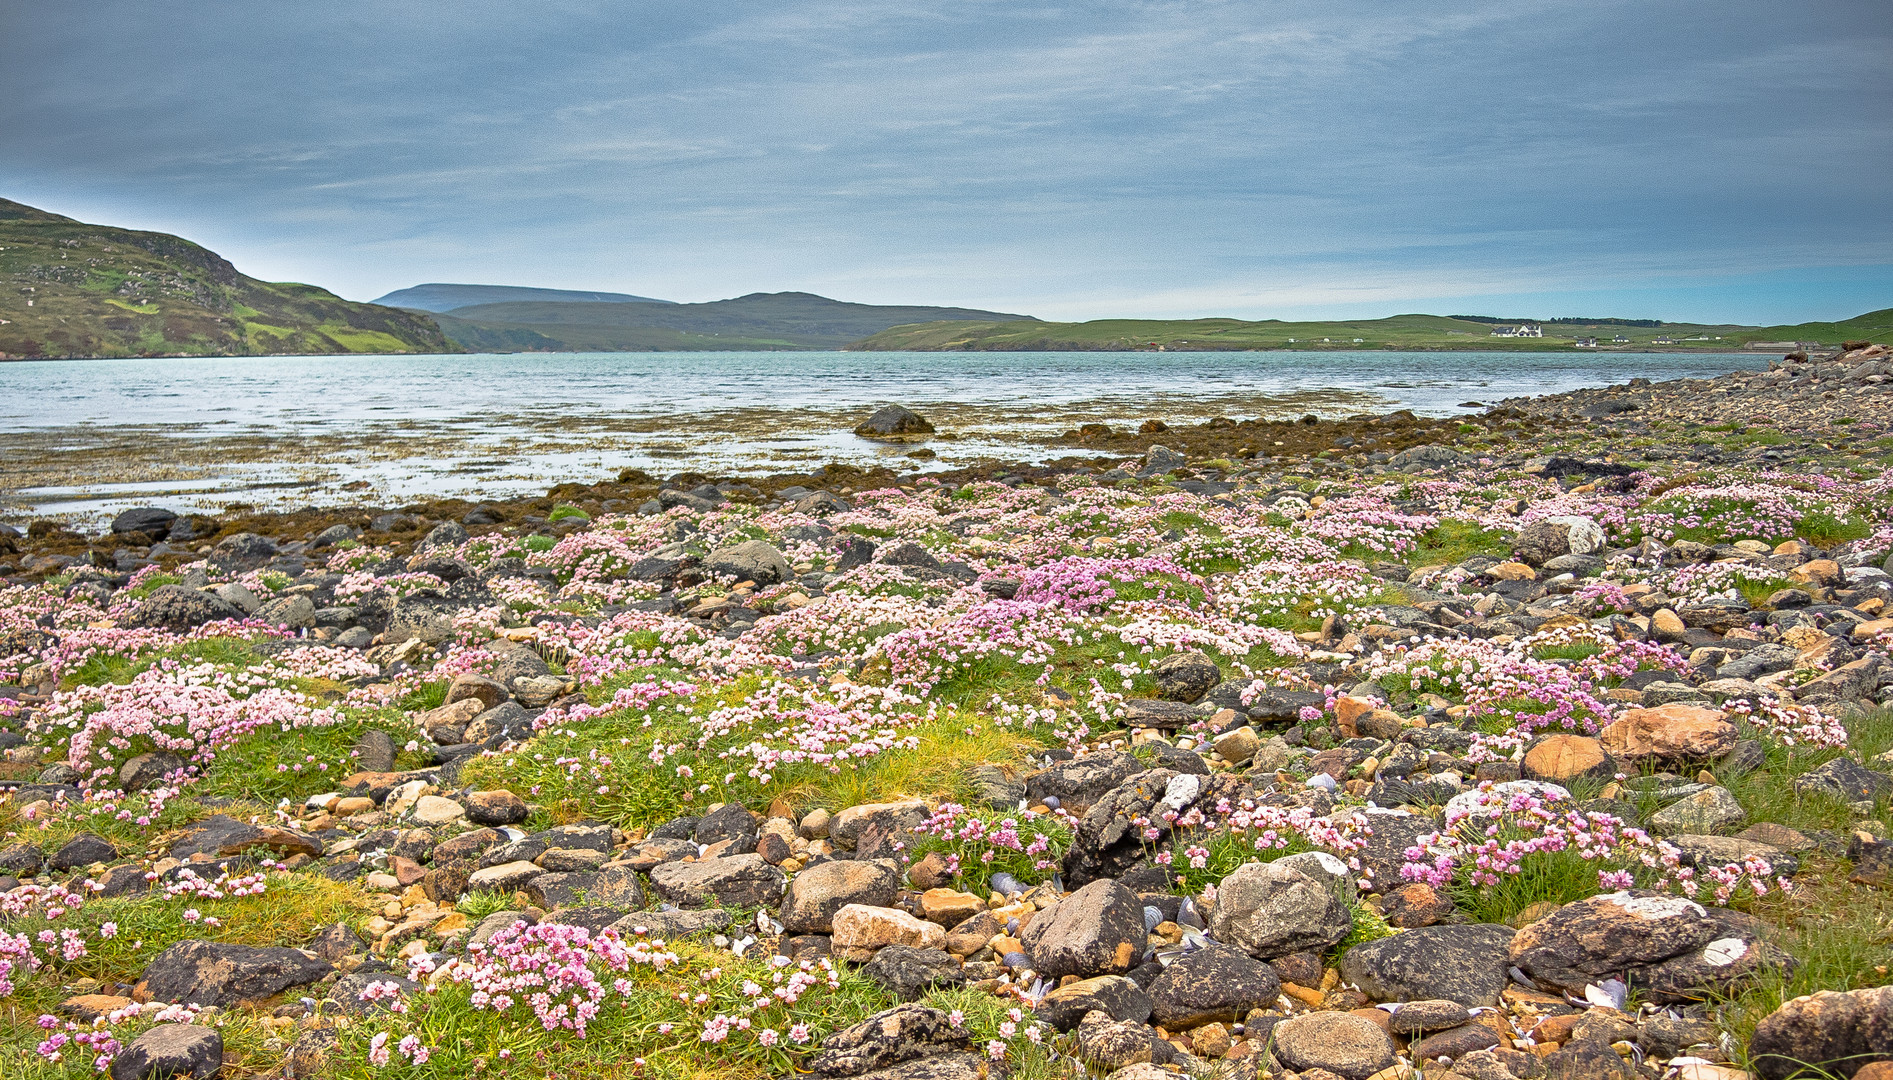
[{"x": 1551, "y": 740}]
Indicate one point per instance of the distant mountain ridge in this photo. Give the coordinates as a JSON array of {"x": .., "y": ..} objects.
[
  {"x": 444, "y": 296},
  {"x": 69, "y": 289},
  {"x": 765, "y": 321}
]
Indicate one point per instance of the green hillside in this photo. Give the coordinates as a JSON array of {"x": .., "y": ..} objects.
[
  {"x": 1873, "y": 326},
  {"x": 72, "y": 289},
  {"x": 1417, "y": 332},
  {"x": 788, "y": 320}
]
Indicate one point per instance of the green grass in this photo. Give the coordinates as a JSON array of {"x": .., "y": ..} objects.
[{"x": 1454, "y": 541}]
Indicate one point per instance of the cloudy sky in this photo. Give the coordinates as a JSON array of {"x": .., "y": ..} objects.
[{"x": 1646, "y": 158}]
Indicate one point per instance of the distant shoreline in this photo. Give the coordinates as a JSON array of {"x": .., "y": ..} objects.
[{"x": 1624, "y": 350}]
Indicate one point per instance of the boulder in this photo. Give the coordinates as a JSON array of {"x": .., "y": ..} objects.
[
  {"x": 148, "y": 770},
  {"x": 730, "y": 881},
  {"x": 1219, "y": 984},
  {"x": 1712, "y": 810},
  {"x": 426, "y": 616},
  {"x": 181, "y": 610},
  {"x": 861, "y": 930},
  {"x": 1844, "y": 779},
  {"x": 1452, "y": 963},
  {"x": 1668, "y": 945},
  {"x": 751, "y": 560},
  {"x": 374, "y": 751},
  {"x": 1669, "y": 735},
  {"x": 818, "y": 892},
  {"x": 1267, "y": 910},
  {"x": 81, "y": 851},
  {"x": 469, "y": 686},
  {"x": 223, "y": 835},
  {"x": 171, "y": 1050},
  {"x": 1342, "y": 1043},
  {"x": 908, "y": 973},
  {"x": 495, "y": 808},
  {"x": 1113, "y": 1044},
  {"x": 153, "y": 521},
  {"x": 871, "y": 830},
  {"x": 1097, "y": 930},
  {"x": 1839, "y": 1031},
  {"x": 893, "y": 422},
  {"x": 1563, "y": 758},
  {"x": 1186, "y": 676},
  {"x": 209, "y": 973},
  {"x": 1163, "y": 459},
  {"x": 1113, "y": 995},
  {"x": 1082, "y": 780}
]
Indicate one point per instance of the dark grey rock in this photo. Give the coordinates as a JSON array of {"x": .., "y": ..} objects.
[
  {"x": 1097, "y": 930},
  {"x": 1465, "y": 964},
  {"x": 1219, "y": 984},
  {"x": 908, "y": 972},
  {"x": 180, "y": 610},
  {"x": 171, "y": 1050},
  {"x": 732, "y": 881},
  {"x": 889, "y": 1037},
  {"x": 209, "y": 973}
]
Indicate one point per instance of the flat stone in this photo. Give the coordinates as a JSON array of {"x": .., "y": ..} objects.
[
  {"x": 731, "y": 881},
  {"x": 1113, "y": 995},
  {"x": 171, "y": 1050},
  {"x": 210, "y": 973},
  {"x": 1342, "y": 1043},
  {"x": 1217, "y": 984},
  {"x": 1463, "y": 963},
  {"x": 505, "y": 877},
  {"x": 860, "y": 930},
  {"x": 1713, "y": 810}
]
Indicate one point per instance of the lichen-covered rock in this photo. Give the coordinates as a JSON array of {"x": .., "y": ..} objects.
[
  {"x": 1465, "y": 964},
  {"x": 902, "y": 1033},
  {"x": 1097, "y": 930},
  {"x": 211, "y": 973},
  {"x": 1839, "y": 1031},
  {"x": 1342, "y": 1043},
  {"x": 1113, "y": 995},
  {"x": 731, "y": 881},
  {"x": 818, "y": 892},
  {"x": 1670, "y": 946},
  {"x": 181, "y": 610},
  {"x": 171, "y": 1051},
  {"x": 1217, "y": 984},
  {"x": 1268, "y": 910}
]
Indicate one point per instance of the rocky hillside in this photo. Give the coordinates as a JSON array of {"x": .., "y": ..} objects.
[{"x": 68, "y": 289}]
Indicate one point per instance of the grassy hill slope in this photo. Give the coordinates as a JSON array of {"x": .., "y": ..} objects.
[
  {"x": 1873, "y": 326},
  {"x": 72, "y": 289},
  {"x": 1418, "y": 332},
  {"x": 789, "y": 320}
]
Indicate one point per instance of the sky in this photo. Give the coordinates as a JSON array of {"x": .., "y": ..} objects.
[{"x": 1689, "y": 161}]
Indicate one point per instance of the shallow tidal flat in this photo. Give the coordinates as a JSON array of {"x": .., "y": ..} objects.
[{"x": 89, "y": 438}]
